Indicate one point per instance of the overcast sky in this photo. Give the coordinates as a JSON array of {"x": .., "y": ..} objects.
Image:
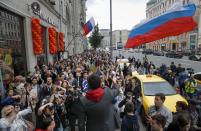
[{"x": 126, "y": 13}]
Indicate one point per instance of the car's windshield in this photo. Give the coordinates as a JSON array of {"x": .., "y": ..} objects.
[{"x": 151, "y": 88}]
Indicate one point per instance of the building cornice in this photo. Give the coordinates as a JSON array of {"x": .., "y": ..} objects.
[
  {"x": 155, "y": 5},
  {"x": 50, "y": 8}
]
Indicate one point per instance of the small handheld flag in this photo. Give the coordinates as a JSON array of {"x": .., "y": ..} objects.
[{"x": 88, "y": 26}]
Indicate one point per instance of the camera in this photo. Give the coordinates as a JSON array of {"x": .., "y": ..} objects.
[
  {"x": 50, "y": 107},
  {"x": 73, "y": 95},
  {"x": 44, "y": 101},
  {"x": 190, "y": 71},
  {"x": 128, "y": 96}
]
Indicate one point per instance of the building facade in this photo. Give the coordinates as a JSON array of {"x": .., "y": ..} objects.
[
  {"x": 78, "y": 18},
  {"x": 105, "y": 43},
  {"x": 185, "y": 41},
  {"x": 16, "y": 31},
  {"x": 119, "y": 36}
]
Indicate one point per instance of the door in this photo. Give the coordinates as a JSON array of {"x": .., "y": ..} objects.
[{"x": 43, "y": 58}]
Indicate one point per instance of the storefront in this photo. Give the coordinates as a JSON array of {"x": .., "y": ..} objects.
[
  {"x": 163, "y": 45},
  {"x": 20, "y": 38},
  {"x": 12, "y": 45},
  {"x": 47, "y": 33},
  {"x": 192, "y": 41}
]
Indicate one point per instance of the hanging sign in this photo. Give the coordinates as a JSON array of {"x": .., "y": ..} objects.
[{"x": 36, "y": 10}]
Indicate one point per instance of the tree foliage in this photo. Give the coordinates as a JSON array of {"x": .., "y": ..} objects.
[{"x": 96, "y": 38}]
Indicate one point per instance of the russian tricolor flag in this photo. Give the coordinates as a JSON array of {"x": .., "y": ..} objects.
[
  {"x": 174, "y": 22},
  {"x": 89, "y": 26}
]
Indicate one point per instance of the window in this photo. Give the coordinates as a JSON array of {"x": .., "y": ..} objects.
[
  {"x": 6, "y": 15},
  {"x": 11, "y": 26},
  {"x": 3, "y": 14}
]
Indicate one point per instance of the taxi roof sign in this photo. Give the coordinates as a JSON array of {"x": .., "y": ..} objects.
[
  {"x": 149, "y": 75},
  {"x": 122, "y": 60}
]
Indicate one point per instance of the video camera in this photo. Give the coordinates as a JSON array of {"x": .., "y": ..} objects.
[{"x": 190, "y": 71}]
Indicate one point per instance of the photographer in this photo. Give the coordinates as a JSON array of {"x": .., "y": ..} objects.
[
  {"x": 57, "y": 99},
  {"x": 73, "y": 108},
  {"x": 44, "y": 111},
  {"x": 59, "y": 111},
  {"x": 129, "y": 98},
  {"x": 48, "y": 124}
]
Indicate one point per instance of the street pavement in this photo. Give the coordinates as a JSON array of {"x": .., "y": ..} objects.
[{"x": 158, "y": 60}]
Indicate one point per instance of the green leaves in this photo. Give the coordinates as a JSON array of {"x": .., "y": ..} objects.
[{"x": 96, "y": 38}]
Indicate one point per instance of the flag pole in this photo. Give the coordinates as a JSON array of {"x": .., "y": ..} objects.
[{"x": 111, "y": 29}]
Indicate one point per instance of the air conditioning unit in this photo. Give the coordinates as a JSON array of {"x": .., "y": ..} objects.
[{"x": 52, "y": 2}]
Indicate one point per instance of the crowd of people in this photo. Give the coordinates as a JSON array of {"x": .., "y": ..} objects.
[{"x": 89, "y": 91}]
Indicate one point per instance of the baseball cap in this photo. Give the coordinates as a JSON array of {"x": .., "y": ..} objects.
[{"x": 7, "y": 101}]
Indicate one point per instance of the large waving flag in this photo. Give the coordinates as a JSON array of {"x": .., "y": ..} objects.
[
  {"x": 89, "y": 26},
  {"x": 174, "y": 22}
]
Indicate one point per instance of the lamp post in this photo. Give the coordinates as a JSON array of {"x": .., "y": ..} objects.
[{"x": 111, "y": 29}]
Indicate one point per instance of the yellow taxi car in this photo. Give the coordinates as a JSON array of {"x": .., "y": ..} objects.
[{"x": 152, "y": 84}]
